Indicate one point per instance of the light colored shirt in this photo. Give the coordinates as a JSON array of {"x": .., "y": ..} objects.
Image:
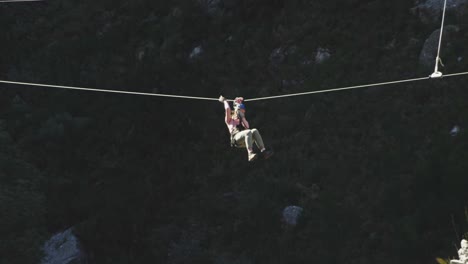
[{"x": 232, "y": 123}]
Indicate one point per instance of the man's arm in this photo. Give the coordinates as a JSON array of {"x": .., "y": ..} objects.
[
  {"x": 245, "y": 123},
  {"x": 227, "y": 117}
]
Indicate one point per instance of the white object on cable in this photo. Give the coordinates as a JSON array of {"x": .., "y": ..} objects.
[{"x": 436, "y": 74}]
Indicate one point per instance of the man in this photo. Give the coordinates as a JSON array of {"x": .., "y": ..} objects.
[{"x": 242, "y": 136}]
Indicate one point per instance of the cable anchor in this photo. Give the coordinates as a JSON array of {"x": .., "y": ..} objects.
[{"x": 437, "y": 73}]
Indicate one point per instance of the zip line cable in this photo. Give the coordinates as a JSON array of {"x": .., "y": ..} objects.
[
  {"x": 455, "y": 74},
  {"x": 351, "y": 87},
  {"x": 437, "y": 73},
  {"x": 337, "y": 89},
  {"x": 215, "y": 99},
  {"x": 108, "y": 91}
]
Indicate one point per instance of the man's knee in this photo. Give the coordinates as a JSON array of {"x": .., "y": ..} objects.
[{"x": 255, "y": 132}]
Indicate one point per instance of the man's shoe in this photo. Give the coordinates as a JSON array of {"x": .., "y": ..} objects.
[
  {"x": 252, "y": 156},
  {"x": 267, "y": 154}
]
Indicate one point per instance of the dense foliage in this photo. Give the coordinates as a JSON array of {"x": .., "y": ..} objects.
[{"x": 153, "y": 180}]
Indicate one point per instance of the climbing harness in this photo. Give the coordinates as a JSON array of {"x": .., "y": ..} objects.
[{"x": 237, "y": 129}]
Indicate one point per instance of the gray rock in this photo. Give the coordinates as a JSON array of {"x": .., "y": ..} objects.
[
  {"x": 429, "y": 50},
  {"x": 322, "y": 55},
  {"x": 211, "y": 7},
  {"x": 455, "y": 130},
  {"x": 291, "y": 214},
  {"x": 277, "y": 56},
  {"x": 143, "y": 50},
  {"x": 63, "y": 248},
  {"x": 196, "y": 52},
  {"x": 216, "y": 7},
  {"x": 431, "y": 10},
  {"x": 280, "y": 54}
]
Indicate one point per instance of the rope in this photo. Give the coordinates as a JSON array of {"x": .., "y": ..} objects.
[
  {"x": 455, "y": 74},
  {"x": 351, "y": 87},
  {"x": 216, "y": 99},
  {"x": 109, "y": 91},
  {"x": 440, "y": 39}
]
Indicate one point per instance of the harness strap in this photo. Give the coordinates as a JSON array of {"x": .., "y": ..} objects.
[
  {"x": 236, "y": 130},
  {"x": 233, "y": 141}
]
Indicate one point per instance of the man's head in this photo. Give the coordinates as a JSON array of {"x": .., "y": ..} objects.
[{"x": 241, "y": 108}]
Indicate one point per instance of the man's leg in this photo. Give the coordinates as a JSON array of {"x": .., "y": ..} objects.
[
  {"x": 245, "y": 137},
  {"x": 258, "y": 139}
]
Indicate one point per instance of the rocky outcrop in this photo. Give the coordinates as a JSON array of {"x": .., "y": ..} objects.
[
  {"x": 291, "y": 215},
  {"x": 430, "y": 11},
  {"x": 63, "y": 248},
  {"x": 322, "y": 55},
  {"x": 429, "y": 50}
]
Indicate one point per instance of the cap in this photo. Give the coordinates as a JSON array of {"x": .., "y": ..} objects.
[{"x": 240, "y": 106}]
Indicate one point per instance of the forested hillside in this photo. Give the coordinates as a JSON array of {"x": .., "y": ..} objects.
[{"x": 147, "y": 179}]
